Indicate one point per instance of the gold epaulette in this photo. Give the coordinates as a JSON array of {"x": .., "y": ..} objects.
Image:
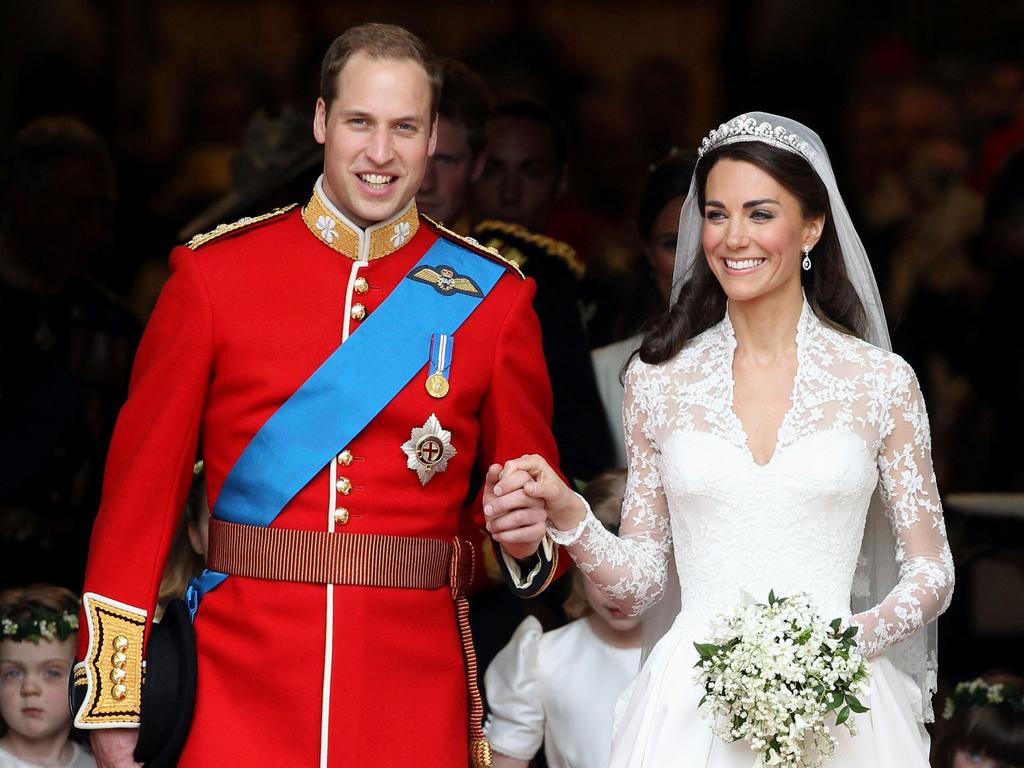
[
  {"x": 242, "y": 223},
  {"x": 472, "y": 244},
  {"x": 549, "y": 245}
]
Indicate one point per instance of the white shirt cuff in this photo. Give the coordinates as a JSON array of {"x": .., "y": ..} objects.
[{"x": 544, "y": 554}]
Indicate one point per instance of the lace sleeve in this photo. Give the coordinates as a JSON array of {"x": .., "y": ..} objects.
[
  {"x": 911, "y": 499},
  {"x": 630, "y": 568}
]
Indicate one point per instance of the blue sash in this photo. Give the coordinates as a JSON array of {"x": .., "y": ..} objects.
[{"x": 333, "y": 406}]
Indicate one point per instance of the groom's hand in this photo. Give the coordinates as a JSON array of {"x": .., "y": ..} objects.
[{"x": 515, "y": 520}]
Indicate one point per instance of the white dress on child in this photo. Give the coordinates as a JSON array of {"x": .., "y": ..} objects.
[
  {"x": 531, "y": 700},
  {"x": 795, "y": 524},
  {"x": 80, "y": 758}
]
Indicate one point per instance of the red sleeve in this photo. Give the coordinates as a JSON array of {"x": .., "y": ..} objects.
[
  {"x": 153, "y": 449},
  {"x": 515, "y": 415}
]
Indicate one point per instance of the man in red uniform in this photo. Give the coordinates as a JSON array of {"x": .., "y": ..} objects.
[{"x": 307, "y": 657}]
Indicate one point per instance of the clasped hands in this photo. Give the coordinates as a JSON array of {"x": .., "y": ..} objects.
[{"x": 520, "y": 497}]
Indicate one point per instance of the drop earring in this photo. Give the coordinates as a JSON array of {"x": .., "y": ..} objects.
[{"x": 806, "y": 263}]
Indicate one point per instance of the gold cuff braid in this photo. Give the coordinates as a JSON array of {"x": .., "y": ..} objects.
[{"x": 112, "y": 665}]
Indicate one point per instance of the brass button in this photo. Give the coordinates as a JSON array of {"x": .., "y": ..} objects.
[
  {"x": 361, "y": 285},
  {"x": 120, "y": 643},
  {"x": 117, "y": 675},
  {"x": 345, "y": 457},
  {"x": 341, "y": 516},
  {"x": 358, "y": 312},
  {"x": 344, "y": 485},
  {"x": 119, "y": 692},
  {"x": 119, "y": 660}
]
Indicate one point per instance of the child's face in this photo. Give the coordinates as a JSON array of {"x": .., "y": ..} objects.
[
  {"x": 603, "y": 607},
  {"x": 34, "y": 686}
]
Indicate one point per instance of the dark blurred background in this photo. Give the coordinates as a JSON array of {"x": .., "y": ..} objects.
[{"x": 921, "y": 104}]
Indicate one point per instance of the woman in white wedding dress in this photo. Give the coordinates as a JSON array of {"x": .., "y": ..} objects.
[{"x": 774, "y": 443}]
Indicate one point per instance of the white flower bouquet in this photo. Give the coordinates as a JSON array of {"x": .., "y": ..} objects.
[{"x": 772, "y": 674}]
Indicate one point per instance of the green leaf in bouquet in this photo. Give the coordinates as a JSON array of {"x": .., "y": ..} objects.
[
  {"x": 843, "y": 716},
  {"x": 836, "y": 623},
  {"x": 703, "y": 699},
  {"x": 772, "y": 600},
  {"x": 850, "y": 633},
  {"x": 836, "y": 701},
  {"x": 854, "y": 703},
  {"x": 706, "y": 650}
]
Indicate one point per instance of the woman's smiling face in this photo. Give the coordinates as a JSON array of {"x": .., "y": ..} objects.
[{"x": 754, "y": 231}]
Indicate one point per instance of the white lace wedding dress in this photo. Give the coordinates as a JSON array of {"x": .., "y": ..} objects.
[{"x": 794, "y": 524}]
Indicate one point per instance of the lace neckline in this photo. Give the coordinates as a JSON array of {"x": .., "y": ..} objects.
[{"x": 727, "y": 334}]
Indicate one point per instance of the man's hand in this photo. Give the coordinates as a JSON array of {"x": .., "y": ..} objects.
[
  {"x": 514, "y": 519},
  {"x": 115, "y": 747},
  {"x": 512, "y": 495}
]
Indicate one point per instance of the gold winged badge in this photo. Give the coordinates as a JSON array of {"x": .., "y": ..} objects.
[{"x": 446, "y": 280}]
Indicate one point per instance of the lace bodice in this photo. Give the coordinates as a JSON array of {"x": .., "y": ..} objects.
[{"x": 856, "y": 423}]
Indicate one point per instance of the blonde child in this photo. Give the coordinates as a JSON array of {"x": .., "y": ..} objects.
[
  {"x": 38, "y": 638},
  {"x": 187, "y": 555},
  {"x": 529, "y": 700}
]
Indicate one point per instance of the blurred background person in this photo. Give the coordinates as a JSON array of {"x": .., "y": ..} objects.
[
  {"x": 525, "y": 172},
  {"x": 527, "y": 165},
  {"x": 459, "y": 157},
  {"x": 66, "y": 347},
  {"x": 657, "y": 223}
]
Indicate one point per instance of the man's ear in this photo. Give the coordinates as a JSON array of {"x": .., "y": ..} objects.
[
  {"x": 320, "y": 121},
  {"x": 432, "y": 143},
  {"x": 563, "y": 181},
  {"x": 478, "y": 165}
]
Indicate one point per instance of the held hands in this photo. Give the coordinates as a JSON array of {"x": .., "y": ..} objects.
[
  {"x": 520, "y": 497},
  {"x": 115, "y": 747}
]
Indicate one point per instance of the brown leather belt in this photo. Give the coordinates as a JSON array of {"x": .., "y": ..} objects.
[
  {"x": 319, "y": 557},
  {"x": 358, "y": 559}
]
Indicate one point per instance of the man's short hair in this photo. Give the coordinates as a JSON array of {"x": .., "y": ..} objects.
[
  {"x": 525, "y": 108},
  {"x": 465, "y": 100},
  {"x": 378, "y": 41}
]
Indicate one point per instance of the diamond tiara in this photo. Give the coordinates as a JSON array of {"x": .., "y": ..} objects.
[{"x": 745, "y": 128}]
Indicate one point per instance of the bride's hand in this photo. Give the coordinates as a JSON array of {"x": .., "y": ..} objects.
[{"x": 534, "y": 478}]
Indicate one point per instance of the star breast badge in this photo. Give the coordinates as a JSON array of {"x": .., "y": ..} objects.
[
  {"x": 428, "y": 449},
  {"x": 446, "y": 280}
]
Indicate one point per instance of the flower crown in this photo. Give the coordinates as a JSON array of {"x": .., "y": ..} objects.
[
  {"x": 37, "y": 622},
  {"x": 979, "y": 693},
  {"x": 744, "y": 128}
]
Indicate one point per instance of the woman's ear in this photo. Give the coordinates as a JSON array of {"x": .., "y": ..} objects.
[{"x": 813, "y": 229}]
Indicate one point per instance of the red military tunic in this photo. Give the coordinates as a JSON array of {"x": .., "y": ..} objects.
[{"x": 293, "y": 673}]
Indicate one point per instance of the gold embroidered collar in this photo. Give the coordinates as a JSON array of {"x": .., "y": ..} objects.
[{"x": 334, "y": 229}]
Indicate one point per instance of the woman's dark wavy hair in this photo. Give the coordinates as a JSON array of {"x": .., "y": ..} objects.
[{"x": 700, "y": 302}]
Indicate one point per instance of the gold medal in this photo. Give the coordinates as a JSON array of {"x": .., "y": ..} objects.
[
  {"x": 440, "y": 363},
  {"x": 437, "y": 385}
]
